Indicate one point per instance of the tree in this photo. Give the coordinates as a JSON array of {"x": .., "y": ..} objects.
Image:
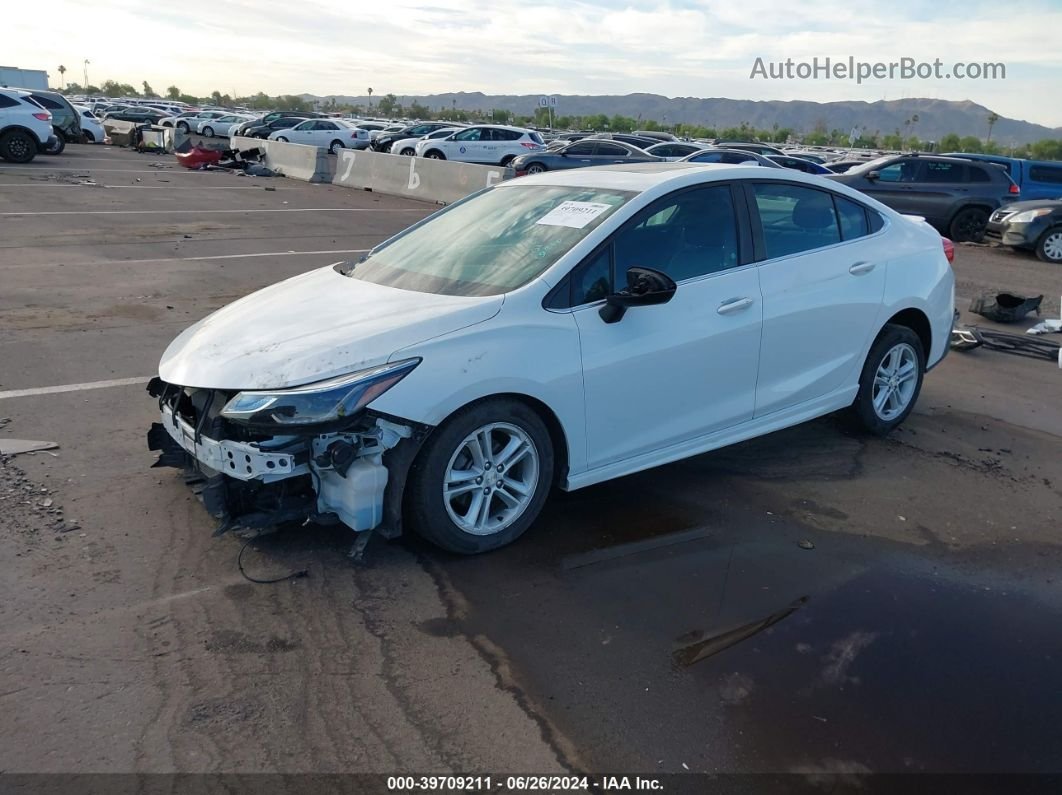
[
  {"x": 173, "y": 92},
  {"x": 216, "y": 96},
  {"x": 389, "y": 105},
  {"x": 969, "y": 143},
  {"x": 418, "y": 111},
  {"x": 950, "y": 143},
  {"x": 992, "y": 119},
  {"x": 148, "y": 90},
  {"x": 62, "y": 76}
]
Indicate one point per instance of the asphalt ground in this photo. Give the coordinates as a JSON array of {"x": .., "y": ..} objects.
[{"x": 812, "y": 601}]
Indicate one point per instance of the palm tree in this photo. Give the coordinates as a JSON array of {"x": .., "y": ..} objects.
[
  {"x": 992, "y": 119},
  {"x": 62, "y": 78},
  {"x": 370, "y": 100}
]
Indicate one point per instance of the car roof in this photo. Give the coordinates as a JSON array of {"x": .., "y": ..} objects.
[{"x": 637, "y": 177}]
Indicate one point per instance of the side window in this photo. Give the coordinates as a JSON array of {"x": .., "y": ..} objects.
[
  {"x": 582, "y": 150},
  {"x": 47, "y": 102},
  {"x": 611, "y": 150},
  {"x": 853, "y": 218},
  {"x": 507, "y": 135},
  {"x": 688, "y": 235},
  {"x": 6, "y": 101},
  {"x": 936, "y": 171},
  {"x": 877, "y": 223},
  {"x": 977, "y": 174},
  {"x": 326, "y": 125},
  {"x": 592, "y": 280},
  {"x": 471, "y": 134},
  {"x": 1050, "y": 174},
  {"x": 904, "y": 171},
  {"x": 795, "y": 218}
]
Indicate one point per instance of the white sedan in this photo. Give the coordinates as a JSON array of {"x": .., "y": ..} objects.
[
  {"x": 91, "y": 127},
  {"x": 330, "y": 134},
  {"x": 556, "y": 330},
  {"x": 221, "y": 126},
  {"x": 408, "y": 146}
]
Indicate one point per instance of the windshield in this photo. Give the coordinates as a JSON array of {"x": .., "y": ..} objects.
[{"x": 491, "y": 243}]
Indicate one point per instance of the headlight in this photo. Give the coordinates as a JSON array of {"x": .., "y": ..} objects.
[
  {"x": 1028, "y": 216},
  {"x": 313, "y": 404}
]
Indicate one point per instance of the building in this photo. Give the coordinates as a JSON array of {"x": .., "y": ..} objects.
[{"x": 13, "y": 77}]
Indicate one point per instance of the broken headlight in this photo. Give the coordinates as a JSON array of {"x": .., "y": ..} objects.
[{"x": 318, "y": 403}]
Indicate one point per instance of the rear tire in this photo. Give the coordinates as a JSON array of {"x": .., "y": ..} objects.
[
  {"x": 536, "y": 168},
  {"x": 332, "y": 147},
  {"x": 56, "y": 148},
  {"x": 505, "y": 161},
  {"x": 1049, "y": 246},
  {"x": 470, "y": 502},
  {"x": 968, "y": 225},
  {"x": 18, "y": 146},
  {"x": 891, "y": 380}
]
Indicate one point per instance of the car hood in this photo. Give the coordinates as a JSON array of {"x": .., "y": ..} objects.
[
  {"x": 312, "y": 327},
  {"x": 1033, "y": 204}
]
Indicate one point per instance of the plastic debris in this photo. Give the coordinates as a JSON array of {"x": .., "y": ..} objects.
[
  {"x": 1005, "y": 307},
  {"x": 17, "y": 446}
]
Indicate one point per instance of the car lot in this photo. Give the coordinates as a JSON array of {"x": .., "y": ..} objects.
[{"x": 671, "y": 620}]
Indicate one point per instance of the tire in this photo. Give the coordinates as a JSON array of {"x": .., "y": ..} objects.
[
  {"x": 968, "y": 225},
  {"x": 450, "y": 449},
  {"x": 408, "y": 152},
  {"x": 536, "y": 168},
  {"x": 435, "y": 154},
  {"x": 505, "y": 161},
  {"x": 1049, "y": 246},
  {"x": 183, "y": 127},
  {"x": 57, "y": 148},
  {"x": 208, "y": 132},
  {"x": 18, "y": 146},
  {"x": 282, "y": 138},
  {"x": 332, "y": 147},
  {"x": 895, "y": 347},
  {"x": 87, "y": 137}
]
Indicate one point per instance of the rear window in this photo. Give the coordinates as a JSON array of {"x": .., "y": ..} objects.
[
  {"x": 534, "y": 136},
  {"x": 1050, "y": 174},
  {"x": 978, "y": 174},
  {"x": 6, "y": 101}
]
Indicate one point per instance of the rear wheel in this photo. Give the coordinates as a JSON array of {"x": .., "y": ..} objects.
[
  {"x": 57, "y": 147},
  {"x": 1049, "y": 246},
  {"x": 968, "y": 225},
  {"x": 335, "y": 146},
  {"x": 505, "y": 161},
  {"x": 17, "y": 146},
  {"x": 482, "y": 478},
  {"x": 891, "y": 380},
  {"x": 435, "y": 154}
]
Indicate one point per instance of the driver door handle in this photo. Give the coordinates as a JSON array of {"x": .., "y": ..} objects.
[
  {"x": 734, "y": 305},
  {"x": 861, "y": 267}
]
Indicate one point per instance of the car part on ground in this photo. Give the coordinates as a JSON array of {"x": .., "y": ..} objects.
[
  {"x": 970, "y": 337},
  {"x": 1005, "y": 307}
]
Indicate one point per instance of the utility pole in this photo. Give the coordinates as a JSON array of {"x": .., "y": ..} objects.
[{"x": 86, "y": 74}]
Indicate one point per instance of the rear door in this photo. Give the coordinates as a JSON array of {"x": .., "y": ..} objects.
[
  {"x": 610, "y": 154},
  {"x": 822, "y": 276}
]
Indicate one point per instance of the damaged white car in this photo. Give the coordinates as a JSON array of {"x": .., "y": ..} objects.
[{"x": 556, "y": 330}]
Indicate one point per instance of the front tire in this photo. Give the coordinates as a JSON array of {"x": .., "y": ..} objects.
[
  {"x": 968, "y": 225},
  {"x": 891, "y": 380},
  {"x": 183, "y": 127},
  {"x": 1049, "y": 246},
  {"x": 282, "y": 139},
  {"x": 482, "y": 478},
  {"x": 435, "y": 154},
  {"x": 408, "y": 151},
  {"x": 208, "y": 132},
  {"x": 17, "y": 146}
]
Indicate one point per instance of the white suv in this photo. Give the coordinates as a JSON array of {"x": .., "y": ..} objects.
[
  {"x": 494, "y": 144},
  {"x": 25, "y": 127}
]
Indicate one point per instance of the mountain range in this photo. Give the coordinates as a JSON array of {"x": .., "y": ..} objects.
[{"x": 936, "y": 117}]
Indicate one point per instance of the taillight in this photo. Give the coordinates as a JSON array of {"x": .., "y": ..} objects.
[
  {"x": 528, "y": 145},
  {"x": 949, "y": 249},
  {"x": 1014, "y": 189},
  {"x": 43, "y": 116}
]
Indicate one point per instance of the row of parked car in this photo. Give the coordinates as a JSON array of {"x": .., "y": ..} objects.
[{"x": 36, "y": 122}]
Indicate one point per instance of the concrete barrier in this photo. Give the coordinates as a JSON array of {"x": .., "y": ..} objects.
[
  {"x": 298, "y": 161},
  {"x": 120, "y": 132},
  {"x": 440, "y": 181}
]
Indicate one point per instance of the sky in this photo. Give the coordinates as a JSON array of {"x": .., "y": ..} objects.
[{"x": 697, "y": 48}]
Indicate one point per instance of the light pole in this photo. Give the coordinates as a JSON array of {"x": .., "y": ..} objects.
[{"x": 86, "y": 74}]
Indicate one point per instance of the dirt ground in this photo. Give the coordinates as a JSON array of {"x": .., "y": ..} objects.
[{"x": 814, "y": 600}]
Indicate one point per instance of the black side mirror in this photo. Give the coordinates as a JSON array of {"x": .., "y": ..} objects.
[
  {"x": 645, "y": 287},
  {"x": 873, "y": 175}
]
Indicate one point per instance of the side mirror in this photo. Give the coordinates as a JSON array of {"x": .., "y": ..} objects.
[
  {"x": 873, "y": 175},
  {"x": 645, "y": 287}
]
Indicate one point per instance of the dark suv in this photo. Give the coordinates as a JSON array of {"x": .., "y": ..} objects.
[
  {"x": 954, "y": 195},
  {"x": 383, "y": 141},
  {"x": 66, "y": 121}
]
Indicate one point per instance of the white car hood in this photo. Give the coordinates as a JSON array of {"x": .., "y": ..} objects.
[{"x": 311, "y": 327}]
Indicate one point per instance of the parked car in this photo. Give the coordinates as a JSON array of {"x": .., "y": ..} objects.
[
  {"x": 483, "y": 143},
  {"x": 384, "y": 141},
  {"x": 656, "y": 135},
  {"x": 804, "y": 154},
  {"x": 842, "y": 166},
  {"x": 92, "y": 131},
  {"x": 1037, "y": 179},
  {"x": 675, "y": 150},
  {"x": 634, "y": 140},
  {"x": 749, "y": 146},
  {"x": 731, "y": 157},
  {"x": 588, "y": 152},
  {"x": 66, "y": 121},
  {"x": 330, "y": 134},
  {"x": 1032, "y": 225},
  {"x": 25, "y": 127},
  {"x": 408, "y": 146},
  {"x": 185, "y": 117},
  {"x": 956, "y": 196},
  {"x": 256, "y": 129},
  {"x": 220, "y": 127},
  {"x": 560, "y": 330},
  {"x": 141, "y": 115},
  {"x": 798, "y": 164},
  {"x": 272, "y": 116}
]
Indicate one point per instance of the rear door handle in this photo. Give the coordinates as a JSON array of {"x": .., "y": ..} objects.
[
  {"x": 734, "y": 305},
  {"x": 860, "y": 268}
]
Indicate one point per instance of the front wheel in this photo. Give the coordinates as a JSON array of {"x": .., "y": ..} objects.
[
  {"x": 208, "y": 132},
  {"x": 282, "y": 139},
  {"x": 482, "y": 478},
  {"x": 891, "y": 380},
  {"x": 183, "y": 127},
  {"x": 17, "y": 146},
  {"x": 1049, "y": 246},
  {"x": 435, "y": 154},
  {"x": 408, "y": 151},
  {"x": 968, "y": 225}
]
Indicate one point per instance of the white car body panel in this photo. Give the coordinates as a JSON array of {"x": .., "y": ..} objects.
[
  {"x": 411, "y": 143},
  {"x": 664, "y": 383},
  {"x": 90, "y": 123},
  {"x": 489, "y": 152},
  {"x": 349, "y": 136}
]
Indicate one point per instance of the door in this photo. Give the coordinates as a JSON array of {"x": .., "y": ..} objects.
[
  {"x": 578, "y": 155},
  {"x": 610, "y": 154},
  {"x": 669, "y": 373},
  {"x": 822, "y": 279},
  {"x": 300, "y": 133},
  {"x": 895, "y": 186},
  {"x": 467, "y": 145}
]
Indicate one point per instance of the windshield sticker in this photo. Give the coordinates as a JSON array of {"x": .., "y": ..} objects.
[{"x": 573, "y": 214}]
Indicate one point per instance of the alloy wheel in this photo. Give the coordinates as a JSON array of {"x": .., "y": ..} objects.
[{"x": 895, "y": 381}]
